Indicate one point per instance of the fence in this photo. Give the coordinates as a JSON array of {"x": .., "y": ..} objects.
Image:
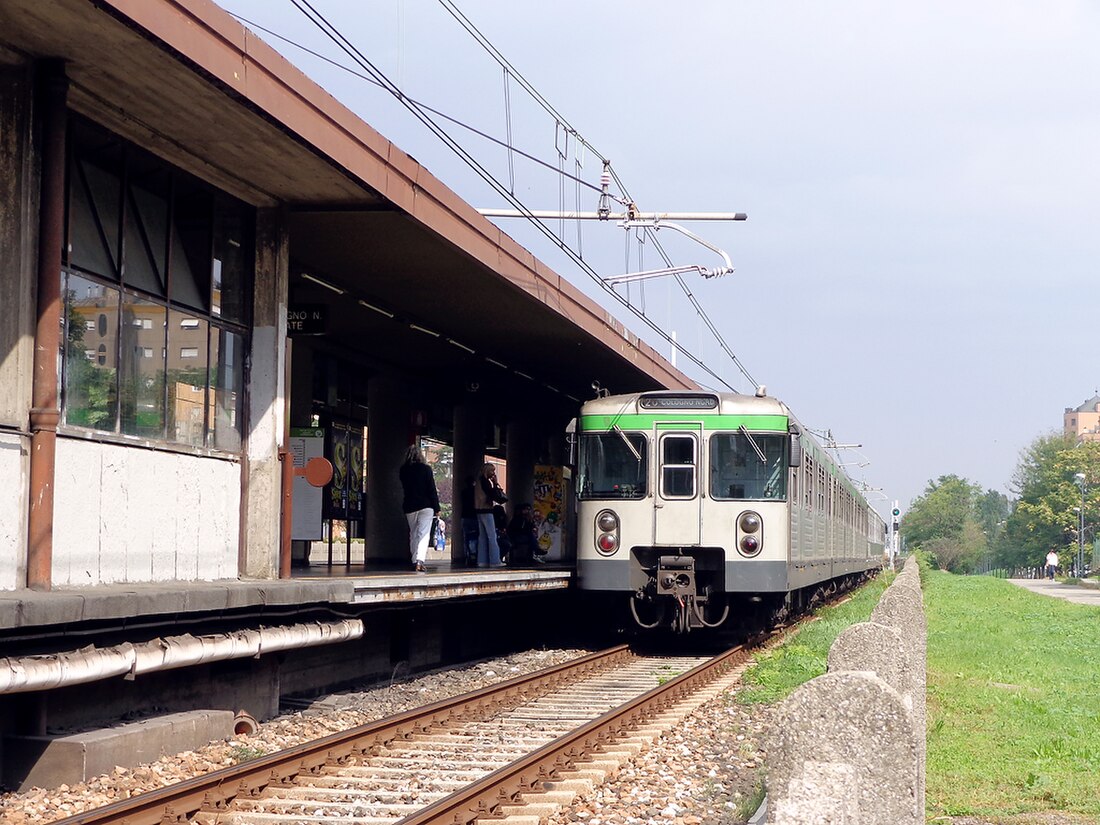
[{"x": 850, "y": 745}]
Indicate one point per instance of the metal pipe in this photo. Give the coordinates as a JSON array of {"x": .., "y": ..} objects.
[
  {"x": 33, "y": 673},
  {"x": 44, "y": 413}
]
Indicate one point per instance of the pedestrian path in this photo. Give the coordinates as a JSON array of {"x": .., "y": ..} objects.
[{"x": 1069, "y": 592}]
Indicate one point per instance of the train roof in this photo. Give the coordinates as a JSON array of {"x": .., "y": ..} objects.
[{"x": 727, "y": 403}]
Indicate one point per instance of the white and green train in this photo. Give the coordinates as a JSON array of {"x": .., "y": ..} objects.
[{"x": 691, "y": 505}]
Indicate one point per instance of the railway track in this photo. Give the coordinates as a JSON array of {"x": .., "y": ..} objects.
[{"x": 511, "y": 750}]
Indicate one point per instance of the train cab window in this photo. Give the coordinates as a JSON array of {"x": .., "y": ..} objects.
[
  {"x": 612, "y": 465},
  {"x": 678, "y": 466},
  {"x": 747, "y": 465}
]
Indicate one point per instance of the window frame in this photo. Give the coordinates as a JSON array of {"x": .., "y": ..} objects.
[{"x": 122, "y": 158}]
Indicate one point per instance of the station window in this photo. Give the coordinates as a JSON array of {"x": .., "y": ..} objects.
[{"x": 156, "y": 265}]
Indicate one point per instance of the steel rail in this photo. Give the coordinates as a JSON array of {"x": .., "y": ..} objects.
[
  {"x": 481, "y": 799},
  {"x": 215, "y": 791}
]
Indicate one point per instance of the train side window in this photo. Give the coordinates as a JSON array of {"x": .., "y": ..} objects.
[{"x": 678, "y": 462}]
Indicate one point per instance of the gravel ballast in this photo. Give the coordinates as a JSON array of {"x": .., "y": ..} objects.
[{"x": 700, "y": 774}]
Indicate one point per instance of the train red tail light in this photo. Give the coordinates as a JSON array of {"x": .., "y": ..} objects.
[
  {"x": 750, "y": 533},
  {"x": 607, "y": 532}
]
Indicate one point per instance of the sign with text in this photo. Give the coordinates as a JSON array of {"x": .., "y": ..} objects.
[
  {"x": 306, "y": 319},
  {"x": 305, "y": 522}
]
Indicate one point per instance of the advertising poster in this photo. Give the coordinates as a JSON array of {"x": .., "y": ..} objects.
[
  {"x": 549, "y": 507},
  {"x": 305, "y": 519},
  {"x": 338, "y": 489}
]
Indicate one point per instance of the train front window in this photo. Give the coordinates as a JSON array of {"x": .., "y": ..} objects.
[
  {"x": 748, "y": 466},
  {"x": 678, "y": 466},
  {"x": 612, "y": 465}
]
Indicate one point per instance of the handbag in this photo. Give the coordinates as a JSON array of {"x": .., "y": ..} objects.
[{"x": 433, "y": 532}]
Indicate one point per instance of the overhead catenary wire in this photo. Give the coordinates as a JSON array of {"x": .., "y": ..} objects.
[
  {"x": 420, "y": 113},
  {"x": 512, "y": 150},
  {"x": 467, "y": 24},
  {"x": 578, "y": 180}
]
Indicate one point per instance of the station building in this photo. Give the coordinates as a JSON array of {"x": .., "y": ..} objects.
[
  {"x": 171, "y": 188},
  {"x": 207, "y": 261}
]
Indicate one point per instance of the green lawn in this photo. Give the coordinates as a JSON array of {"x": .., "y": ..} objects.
[
  {"x": 802, "y": 657},
  {"x": 1013, "y": 700}
]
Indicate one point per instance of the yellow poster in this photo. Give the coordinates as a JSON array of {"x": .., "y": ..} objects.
[{"x": 549, "y": 507}]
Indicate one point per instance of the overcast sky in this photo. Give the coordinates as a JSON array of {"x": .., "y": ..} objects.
[{"x": 918, "y": 270}]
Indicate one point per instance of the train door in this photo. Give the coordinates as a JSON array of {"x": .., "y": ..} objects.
[{"x": 677, "y": 509}]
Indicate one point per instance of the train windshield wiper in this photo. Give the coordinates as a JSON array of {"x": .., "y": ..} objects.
[
  {"x": 626, "y": 441},
  {"x": 759, "y": 453}
]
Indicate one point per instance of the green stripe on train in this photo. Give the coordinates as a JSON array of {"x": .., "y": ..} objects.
[{"x": 753, "y": 423}]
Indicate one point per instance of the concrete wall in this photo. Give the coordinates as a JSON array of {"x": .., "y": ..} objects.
[
  {"x": 126, "y": 514},
  {"x": 18, "y": 242},
  {"x": 13, "y": 511},
  {"x": 850, "y": 745}
]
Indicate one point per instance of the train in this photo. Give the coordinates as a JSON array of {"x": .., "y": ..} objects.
[{"x": 695, "y": 506}]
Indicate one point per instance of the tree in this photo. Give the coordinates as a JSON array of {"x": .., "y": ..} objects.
[
  {"x": 1046, "y": 481},
  {"x": 954, "y": 521}
]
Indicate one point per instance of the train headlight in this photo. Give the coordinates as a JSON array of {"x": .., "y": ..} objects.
[
  {"x": 750, "y": 534},
  {"x": 607, "y": 521},
  {"x": 607, "y": 532},
  {"x": 750, "y": 522}
]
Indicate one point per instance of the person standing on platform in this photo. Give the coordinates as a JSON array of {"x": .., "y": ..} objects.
[
  {"x": 420, "y": 503},
  {"x": 522, "y": 532},
  {"x": 487, "y": 492}
]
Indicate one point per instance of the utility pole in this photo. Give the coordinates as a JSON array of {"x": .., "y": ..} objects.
[{"x": 895, "y": 525}]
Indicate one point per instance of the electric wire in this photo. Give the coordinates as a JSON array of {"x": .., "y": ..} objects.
[
  {"x": 467, "y": 24},
  {"x": 384, "y": 82},
  {"x": 513, "y": 150}
]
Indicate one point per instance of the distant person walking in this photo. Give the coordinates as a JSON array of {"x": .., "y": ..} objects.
[
  {"x": 420, "y": 503},
  {"x": 1052, "y": 564}
]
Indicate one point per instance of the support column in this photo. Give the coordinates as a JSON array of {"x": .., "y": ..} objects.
[
  {"x": 389, "y": 417},
  {"x": 44, "y": 414},
  {"x": 469, "y": 455},
  {"x": 18, "y": 238},
  {"x": 261, "y": 476},
  {"x": 522, "y": 451}
]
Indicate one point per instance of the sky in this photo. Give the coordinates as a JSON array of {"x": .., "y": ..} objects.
[{"x": 917, "y": 273}]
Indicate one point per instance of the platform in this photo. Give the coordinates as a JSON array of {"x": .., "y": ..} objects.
[{"x": 355, "y": 584}]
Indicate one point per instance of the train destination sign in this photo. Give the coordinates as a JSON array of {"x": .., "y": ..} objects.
[
  {"x": 678, "y": 402},
  {"x": 306, "y": 319}
]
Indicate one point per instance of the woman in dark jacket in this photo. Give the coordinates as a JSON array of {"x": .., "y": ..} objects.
[{"x": 420, "y": 503}]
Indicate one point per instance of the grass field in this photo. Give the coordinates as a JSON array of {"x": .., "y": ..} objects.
[
  {"x": 1013, "y": 700},
  {"x": 1013, "y": 694}
]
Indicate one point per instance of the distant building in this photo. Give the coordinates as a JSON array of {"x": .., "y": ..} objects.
[{"x": 1083, "y": 423}]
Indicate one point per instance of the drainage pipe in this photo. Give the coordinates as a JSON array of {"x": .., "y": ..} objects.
[
  {"x": 44, "y": 414},
  {"x": 32, "y": 673}
]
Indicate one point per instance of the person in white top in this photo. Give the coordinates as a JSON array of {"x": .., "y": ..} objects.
[{"x": 1052, "y": 564}]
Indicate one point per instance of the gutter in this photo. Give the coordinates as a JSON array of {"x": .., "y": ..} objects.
[{"x": 90, "y": 664}]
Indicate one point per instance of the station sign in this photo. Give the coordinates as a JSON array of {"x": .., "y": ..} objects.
[{"x": 306, "y": 319}]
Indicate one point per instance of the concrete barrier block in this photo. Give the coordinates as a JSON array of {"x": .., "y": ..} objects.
[
  {"x": 879, "y": 649},
  {"x": 49, "y": 761},
  {"x": 844, "y": 752}
]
